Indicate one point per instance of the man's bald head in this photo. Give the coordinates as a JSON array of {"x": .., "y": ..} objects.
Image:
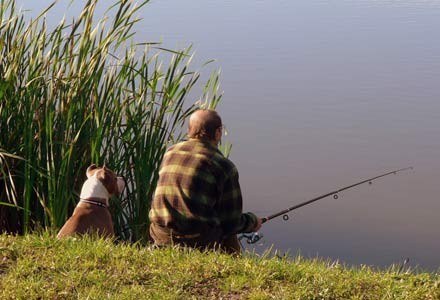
[{"x": 203, "y": 124}]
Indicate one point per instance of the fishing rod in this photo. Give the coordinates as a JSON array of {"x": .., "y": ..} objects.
[{"x": 255, "y": 237}]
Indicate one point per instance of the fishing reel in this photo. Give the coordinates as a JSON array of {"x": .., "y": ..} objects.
[{"x": 251, "y": 238}]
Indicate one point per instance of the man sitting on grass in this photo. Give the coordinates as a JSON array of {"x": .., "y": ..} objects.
[{"x": 197, "y": 202}]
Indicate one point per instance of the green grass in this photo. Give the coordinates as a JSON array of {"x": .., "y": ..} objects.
[{"x": 41, "y": 267}]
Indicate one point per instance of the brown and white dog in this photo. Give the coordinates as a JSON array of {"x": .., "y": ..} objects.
[{"x": 91, "y": 214}]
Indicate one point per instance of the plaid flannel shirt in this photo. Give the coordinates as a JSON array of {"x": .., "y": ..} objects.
[{"x": 198, "y": 190}]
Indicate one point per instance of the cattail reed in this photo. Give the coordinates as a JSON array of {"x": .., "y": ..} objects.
[{"x": 84, "y": 92}]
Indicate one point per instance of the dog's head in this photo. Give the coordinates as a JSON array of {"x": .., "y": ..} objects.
[{"x": 114, "y": 184}]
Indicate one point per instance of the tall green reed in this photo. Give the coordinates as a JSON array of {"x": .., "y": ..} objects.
[{"x": 84, "y": 92}]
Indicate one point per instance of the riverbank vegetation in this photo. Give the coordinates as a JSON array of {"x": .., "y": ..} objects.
[
  {"x": 41, "y": 267},
  {"x": 83, "y": 91}
]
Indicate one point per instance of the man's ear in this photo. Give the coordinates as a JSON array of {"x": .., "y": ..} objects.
[
  {"x": 89, "y": 172},
  {"x": 218, "y": 135}
]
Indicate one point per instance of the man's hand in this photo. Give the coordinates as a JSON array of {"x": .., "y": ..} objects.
[{"x": 258, "y": 225}]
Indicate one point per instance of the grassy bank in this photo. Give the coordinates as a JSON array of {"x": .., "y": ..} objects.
[{"x": 35, "y": 267}]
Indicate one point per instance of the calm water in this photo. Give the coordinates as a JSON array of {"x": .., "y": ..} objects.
[{"x": 319, "y": 95}]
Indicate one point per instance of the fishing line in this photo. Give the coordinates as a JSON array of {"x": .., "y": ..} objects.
[{"x": 254, "y": 237}]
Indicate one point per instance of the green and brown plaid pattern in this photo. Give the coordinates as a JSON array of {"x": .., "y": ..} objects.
[{"x": 198, "y": 192}]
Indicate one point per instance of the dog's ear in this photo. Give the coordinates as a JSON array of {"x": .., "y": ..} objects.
[
  {"x": 90, "y": 170},
  {"x": 121, "y": 184},
  {"x": 108, "y": 179}
]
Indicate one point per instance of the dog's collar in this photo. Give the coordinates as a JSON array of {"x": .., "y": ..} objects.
[{"x": 94, "y": 201}]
